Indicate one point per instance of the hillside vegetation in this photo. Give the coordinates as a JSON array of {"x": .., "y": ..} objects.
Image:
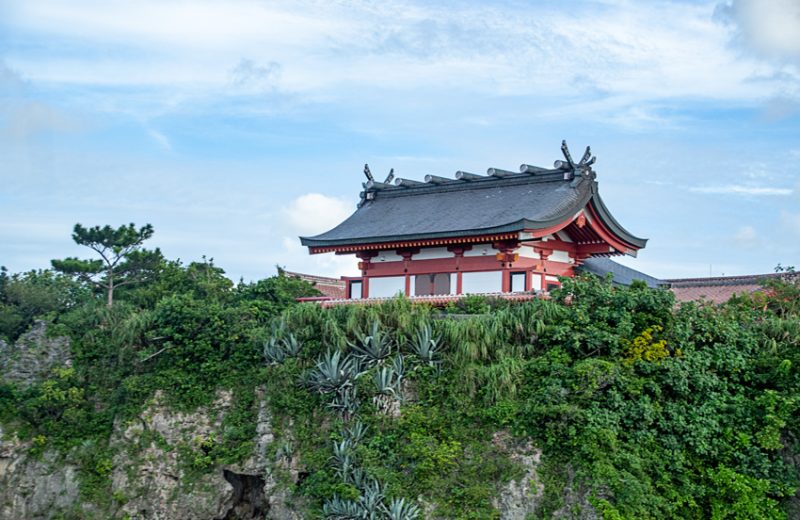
[{"x": 630, "y": 405}]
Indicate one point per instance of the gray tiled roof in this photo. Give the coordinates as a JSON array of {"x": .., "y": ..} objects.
[
  {"x": 485, "y": 205},
  {"x": 620, "y": 274}
]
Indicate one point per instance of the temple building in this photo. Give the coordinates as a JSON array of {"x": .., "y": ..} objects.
[{"x": 503, "y": 232}]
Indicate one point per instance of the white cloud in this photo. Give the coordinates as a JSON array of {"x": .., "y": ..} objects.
[
  {"x": 25, "y": 119},
  {"x": 22, "y": 117},
  {"x": 297, "y": 258},
  {"x": 160, "y": 138},
  {"x": 771, "y": 27},
  {"x": 635, "y": 52},
  {"x": 738, "y": 189},
  {"x": 746, "y": 236},
  {"x": 792, "y": 221},
  {"x": 313, "y": 213}
]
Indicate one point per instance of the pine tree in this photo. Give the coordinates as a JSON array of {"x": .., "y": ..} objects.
[{"x": 122, "y": 261}]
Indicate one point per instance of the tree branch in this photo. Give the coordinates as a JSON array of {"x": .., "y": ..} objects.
[{"x": 151, "y": 356}]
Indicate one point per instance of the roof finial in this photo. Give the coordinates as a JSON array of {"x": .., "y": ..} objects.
[
  {"x": 571, "y": 170},
  {"x": 368, "y": 173},
  {"x": 390, "y": 177},
  {"x": 567, "y": 156}
]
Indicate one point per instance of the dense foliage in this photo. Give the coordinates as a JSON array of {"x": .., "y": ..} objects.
[
  {"x": 641, "y": 407},
  {"x": 186, "y": 332}
]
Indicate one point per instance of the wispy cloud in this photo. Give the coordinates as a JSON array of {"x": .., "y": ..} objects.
[
  {"x": 250, "y": 76},
  {"x": 23, "y": 117},
  {"x": 161, "y": 139},
  {"x": 770, "y": 27},
  {"x": 792, "y": 221},
  {"x": 629, "y": 52},
  {"x": 746, "y": 236},
  {"x": 260, "y": 103},
  {"x": 738, "y": 189}
]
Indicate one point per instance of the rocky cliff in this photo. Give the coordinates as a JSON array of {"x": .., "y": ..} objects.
[{"x": 151, "y": 478}]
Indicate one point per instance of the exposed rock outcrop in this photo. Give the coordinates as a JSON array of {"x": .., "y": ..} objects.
[
  {"x": 150, "y": 476},
  {"x": 34, "y": 488},
  {"x": 33, "y": 356},
  {"x": 150, "y": 470},
  {"x": 576, "y": 501},
  {"x": 521, "y": 497}
]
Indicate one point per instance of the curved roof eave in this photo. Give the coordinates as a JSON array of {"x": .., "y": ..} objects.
[
  {"x": 591, "y": 196},
  {"x": 506, "y": 228},
  {"x": 518, "y": 225},
  {"x": 611, "y": 222}
]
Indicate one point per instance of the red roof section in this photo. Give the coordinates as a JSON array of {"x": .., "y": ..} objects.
[
  {"x": 718, "y": 289},
  {"x": 333, "y": 288}
]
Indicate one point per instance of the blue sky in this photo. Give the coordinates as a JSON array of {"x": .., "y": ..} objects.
[{"x": 233, "y": 127}]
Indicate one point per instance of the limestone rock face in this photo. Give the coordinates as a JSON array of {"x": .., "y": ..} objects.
[
  {"x": 576, "y": 501},
  {"x": 517, "y": 499},
  {"x": 33, "y": 356},
  {"x": 150, "y": 476},
  {"x": 34, "y": 488}
]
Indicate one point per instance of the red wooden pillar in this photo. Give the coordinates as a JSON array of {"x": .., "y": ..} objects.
[
  {"x": 458, "y": 253},
  {"x": 506, "y": 256},
  {"x": 544, "y": 254},
  {"x": 365, "y": 263},
  {"x": 407, "y": 254}
]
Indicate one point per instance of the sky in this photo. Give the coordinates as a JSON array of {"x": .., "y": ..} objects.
[{"x": 234, "y": 127}]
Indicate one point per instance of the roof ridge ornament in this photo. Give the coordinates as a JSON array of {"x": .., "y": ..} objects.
[{"x": 581, "y": 170}]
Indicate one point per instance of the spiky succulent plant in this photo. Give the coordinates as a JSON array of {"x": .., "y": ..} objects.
[
  {"x": 355, "y": 432},
  {"x": 374, "y": 347},
  {"x": 400, "y": 509},
  {"x": 426, "y": 347},
  {"x": 291, "y": 345},
  {"x": 340, "y": 509},
  {"x": 345, "y": 402},
  {"x": 273, "y": 351},
  {"x": 371, "y": 499},
  {"x": 385, "y": 381},
  {"x": 333, "y": 373},
  {"x": 399, "y": 367}
]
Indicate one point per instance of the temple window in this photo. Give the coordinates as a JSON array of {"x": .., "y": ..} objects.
[
  {"x": 518, "y": 280},
  {"x": 387, "y": 286},
  {"x": 430, "y": 284},
  {"x": 482, "y": 282},
  {"x": 355, "y": 289}
]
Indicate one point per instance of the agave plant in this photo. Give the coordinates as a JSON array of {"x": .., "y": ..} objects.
[
  {"x": 385, "y": 386},
  {"x": 355, "y": 433},
  {"x": 284, "y": 450},
  {"x": 384, "y": 381},
  {"x": 291, "y": 346},
  {"x": 345, "y": 402},
  {"x": 357, "y": 478},
  {"x": 399, "y": 367},
  {"x": 426, "y": 347},
  {"x": 341, "y": 509},
  {"x": 273, "y": 351},
  {"x": 399, "y": 509},
  {"x": 332, "y": 373},
  {"x": 342, "y": 459},
  {"x": 342, "y": 448},
  {"x": 371, "y": 499},
  {"x": 373, "y": 348}
]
